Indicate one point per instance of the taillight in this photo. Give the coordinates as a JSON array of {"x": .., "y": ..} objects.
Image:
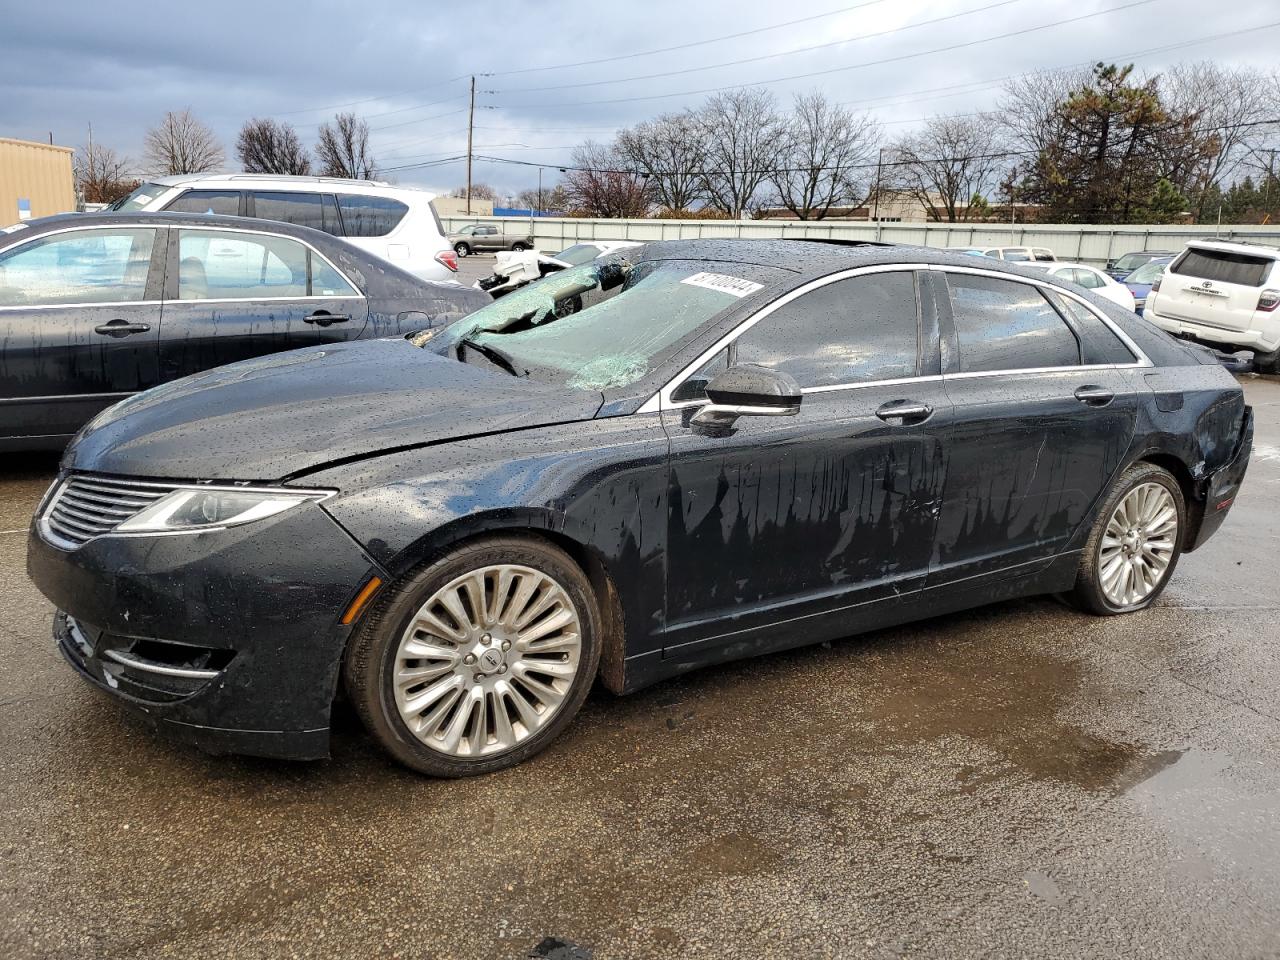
[
  {"x": 1268, "y": 300},
  {"x": 449, "y": 259},
  {"x": 1156, "y": 285}
]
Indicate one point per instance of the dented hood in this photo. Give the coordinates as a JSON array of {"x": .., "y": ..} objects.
[{"x": 290, "y": 413}]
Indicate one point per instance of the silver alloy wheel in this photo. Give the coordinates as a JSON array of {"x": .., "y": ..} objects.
[
  {"x": 1138, "y": 544},
  {"x": 487, "y": 661}
]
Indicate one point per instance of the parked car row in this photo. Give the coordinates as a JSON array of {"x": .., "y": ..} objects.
[{"x": 97, "y": 307}]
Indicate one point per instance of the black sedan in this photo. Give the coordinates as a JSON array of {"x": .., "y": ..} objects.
[
  {"x": 726, "y": 454},
  {"x": 96, "y": 308}
]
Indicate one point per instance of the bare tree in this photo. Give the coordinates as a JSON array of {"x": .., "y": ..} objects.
[
  {"x": 343, "y": 148},
  {"x": 1226, "y": 109},
  {"x": 600, "y": 185},
  {"x": 741, "y": 132},
  {"x": 823, "y": 159},
  {"x": 479, "y": 191},
  {"x": 182, "y": 144},
  {"x": 671, "y": 151},
  {"x": 268, "y": 146},
  {"x": 100, "y": 174},
  {"x": 947, "y": 163},
  {"x": 552, "y": 199},
  {"x": 1030, "y": 110}
]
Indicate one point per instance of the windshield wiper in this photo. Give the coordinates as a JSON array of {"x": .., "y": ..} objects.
[{"x": 498, "y": 357}]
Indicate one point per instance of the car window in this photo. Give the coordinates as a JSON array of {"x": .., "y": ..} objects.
[
  {"x": 1088, "y": 279},
  {"x": 304, "y": 209},
  {"x": 221, "y": 202},
  {"x": 850, "y": 331},
  {"x": 218, "y": 265},
  {"x": 140, "y": 198},
  {"x": 88, "y": 266},
  {"x": 657, "y": 305},
  {"x": 1146, "y": 273},
  {"x": 577, "y": 254},
  {"x": 366, "y": 216},
  {"x": 1004, "y": 325},
  {"x": 1223, "y": 266},
  {"x": 328, "y": 282},
  {"x": 1017, "y": 256},
  {"x": 1043, "y": 255},
  {"x": 1098, "y": 342},
  {"x": 1131, "y": 261}
]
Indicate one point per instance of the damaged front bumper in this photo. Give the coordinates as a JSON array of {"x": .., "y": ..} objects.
[{"x": 229, "y": 640}]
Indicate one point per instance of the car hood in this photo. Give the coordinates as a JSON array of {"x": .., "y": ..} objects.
[
  {"x": 1139, "y": 289},
  {"x": 287, "y": 414}
]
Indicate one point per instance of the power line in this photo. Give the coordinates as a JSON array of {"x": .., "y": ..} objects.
[
  {"x": 686, "y": 46},
  {"x": 855, "y": 66},
  {"x": 772, "y": 56}
]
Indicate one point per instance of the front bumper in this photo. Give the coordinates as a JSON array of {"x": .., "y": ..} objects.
[{"x": 230, "y": 640}]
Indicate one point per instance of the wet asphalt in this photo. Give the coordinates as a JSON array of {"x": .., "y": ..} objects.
[{"x": 1017, "y": 781}]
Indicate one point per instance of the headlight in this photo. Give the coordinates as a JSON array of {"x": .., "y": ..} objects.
[{"x": 205, "y": 508}]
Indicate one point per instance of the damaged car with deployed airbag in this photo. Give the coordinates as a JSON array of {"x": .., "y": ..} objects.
[{"x": 741, "y": 446}]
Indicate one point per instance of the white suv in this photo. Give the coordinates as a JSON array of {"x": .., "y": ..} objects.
[
  {"x": 1222, "y": 293},
  {"x": 398, "y": 224}
]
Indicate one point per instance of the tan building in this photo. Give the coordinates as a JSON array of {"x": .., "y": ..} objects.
[
  {"x": 35, "y": 180},
  {"x": 457, "y": 207}
]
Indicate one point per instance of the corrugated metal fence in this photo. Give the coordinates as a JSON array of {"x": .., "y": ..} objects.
[{"x": 1091, "y": 244}]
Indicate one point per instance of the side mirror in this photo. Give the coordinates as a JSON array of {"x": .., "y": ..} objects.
[{"x": 747, "y": 390}]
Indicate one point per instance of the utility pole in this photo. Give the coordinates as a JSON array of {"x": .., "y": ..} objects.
[
  {"x": 471, "y": 126},
  {"x": 875, "y": 209}
]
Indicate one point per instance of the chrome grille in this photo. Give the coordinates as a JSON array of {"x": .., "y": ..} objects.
[{"x": 85, "y": 507}]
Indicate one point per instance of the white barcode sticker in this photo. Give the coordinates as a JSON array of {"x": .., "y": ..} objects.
[{"x": 733, "y": 286}]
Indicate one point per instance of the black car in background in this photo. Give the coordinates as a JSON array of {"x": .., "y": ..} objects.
[
  {"x": 94, "y": 308},
  {"x": 745, "y": 446}
]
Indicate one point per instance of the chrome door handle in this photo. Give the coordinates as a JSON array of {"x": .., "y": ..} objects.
[
  {"x": 904, "y": 412},
  {"x": 1094, "y": 396}
]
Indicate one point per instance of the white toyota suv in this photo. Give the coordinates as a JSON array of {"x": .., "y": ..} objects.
[
  {"x": 1222, "y": 293},
  {"x": 398, "y": 224}
]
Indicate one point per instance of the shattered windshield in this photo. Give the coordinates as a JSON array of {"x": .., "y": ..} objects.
[{"x": 598, "y": 326}]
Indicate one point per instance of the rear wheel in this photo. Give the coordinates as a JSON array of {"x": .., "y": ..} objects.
[
  {"x": 1135, "y": 543},
  {"x": 462, "y": 249},
  {"x": 519, "y": 247},
  {"x": 1267, "y": 362},
  {"x": 479, "y": 660}
]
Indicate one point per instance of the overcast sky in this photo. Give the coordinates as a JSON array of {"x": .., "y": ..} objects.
[{"x": 404, "y": 66}]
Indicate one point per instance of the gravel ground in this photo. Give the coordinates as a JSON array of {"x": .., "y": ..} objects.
[{"x": 1017, "y": 781}]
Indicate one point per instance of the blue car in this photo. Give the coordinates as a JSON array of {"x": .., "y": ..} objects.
[
  {"x": 1139, "y": 282},
  {"x": 1120, "y": 268}
]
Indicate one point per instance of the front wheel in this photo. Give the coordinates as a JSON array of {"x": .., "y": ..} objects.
[
  {"x": 1135, "y": 543},
  {"x": 462, "y": 249},
  {"x": 479, "y": 660}
]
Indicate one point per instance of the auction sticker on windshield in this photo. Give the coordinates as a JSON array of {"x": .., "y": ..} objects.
[{"x": 734, "y": 286}]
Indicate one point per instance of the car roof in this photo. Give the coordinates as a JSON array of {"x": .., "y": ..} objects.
[
  {"x": 284, "y": 181},
  {"x": 1225, "y": 246},
  {"x": 1055, "y": 264},
  {"x": 65, "y": 220}
]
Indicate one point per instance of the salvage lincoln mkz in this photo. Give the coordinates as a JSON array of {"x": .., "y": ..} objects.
[{"x": 739, "y": 446}]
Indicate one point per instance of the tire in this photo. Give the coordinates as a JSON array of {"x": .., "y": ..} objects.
[
  {"x": 1267, "y": 362},
  {"x": 462, "y": 249},
  {"x": 1144, "y": 544},
  {"x": 518, "y": 247},
  {"x": 462, "y": 734}
]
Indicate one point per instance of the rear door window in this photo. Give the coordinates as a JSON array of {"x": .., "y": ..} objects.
[
  {"x": 850, "y": 331},
  {"x": 221, "y": 202},
  {"x": 366, "y": 216},
  {"x": 1005, "y": 325},
  {"x": 222, "y": 265},
  {"x": 1223, "y": 266},
  {"x": 304, "y": 209}
]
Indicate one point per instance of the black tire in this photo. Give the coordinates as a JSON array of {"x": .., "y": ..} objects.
[
  {"x": 1088, "y": 593},
  {"x": 462, "y": 249},
  {"x": 1267, "y": 362},
  {"x": 518, "y": 247},
  {"x": 371, "y": 653}
]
